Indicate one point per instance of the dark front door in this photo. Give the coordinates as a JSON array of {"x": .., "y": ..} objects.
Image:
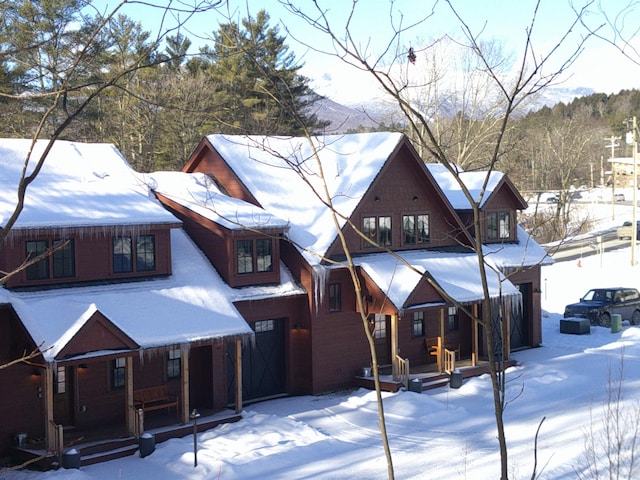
[
  {"x": 263, "y": 372},
  {"x": 201, "y": 378},
  {"x": 64, "y": 394},
  {"x": 381, "y": 337}
]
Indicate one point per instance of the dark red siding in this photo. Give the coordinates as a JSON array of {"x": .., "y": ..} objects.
[{"x": 93, "y": 255}]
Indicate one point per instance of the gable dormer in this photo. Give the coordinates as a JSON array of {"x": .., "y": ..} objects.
[
  {"x": 240, "y": 239},
  {"x": 91, "y": 255},
  {"x": 87, "y": 217},
  {"x": 403, "y": 209},
  {"x": 499, "y": 204}
]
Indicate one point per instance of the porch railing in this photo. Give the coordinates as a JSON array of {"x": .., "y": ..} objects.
[
  {"x": 58, "y": 440},
  {"x": 403, "y": 370},
  {"x": 138, "y": 424},
  {"x": 449, "y": 360}
]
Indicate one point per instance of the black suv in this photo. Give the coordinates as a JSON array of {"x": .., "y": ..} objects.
[{"x": 600, "y": 303}]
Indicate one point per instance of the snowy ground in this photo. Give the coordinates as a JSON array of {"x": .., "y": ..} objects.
[{"x": 445, "y": 433}]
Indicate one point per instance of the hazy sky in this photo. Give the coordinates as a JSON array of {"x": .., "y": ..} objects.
[{"x": 600, "y": 66}]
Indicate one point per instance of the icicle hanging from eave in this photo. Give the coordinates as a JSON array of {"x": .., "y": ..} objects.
[
  {"x": 319, "y": 278},
  {"x": 81, "y": 232}
]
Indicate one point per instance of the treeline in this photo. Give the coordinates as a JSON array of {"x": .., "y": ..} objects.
[
  {"x": 568, "y": 145},
  {"x": 68, "y": 70}
]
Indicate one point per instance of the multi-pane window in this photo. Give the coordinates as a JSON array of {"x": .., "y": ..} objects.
[
  {"x": 504, "y": 224},
  {"x": 62, "y": 259},
  {"x": 498, "y": 225},
  {"x": 117, "y": 372},
  {"x": 39, "y": 270},
  {"x": 263, "y": 255},
  {"x": 264, "y": 326},
  {"x": 452, "y": 319},
  {"x": 123, "y": 254},
  {"x": 369, "y": 230},
  {"x": 244, "y": 251},
  {"x": 260, "y": 260},
  {"x": 384, "y": 225},
  {"x": 173, "y": 363},
  {"x": 145, "y": 253},
  {"x": 335, "y": 297},
  {"x": 380, "y": 326},
  {"x": 418, "y": 324},
  {"x": 64, "y": 265},
  {"x": 122, "y": 259},
  {"x": 415, "y": 229},
  {"x": 61, "y": 380},
  {"x": 378, "y": 230}
]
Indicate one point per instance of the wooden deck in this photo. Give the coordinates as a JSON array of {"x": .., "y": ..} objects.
[
  {"x": 102, "y": 444},
  {"x": 427, "y": 375}
]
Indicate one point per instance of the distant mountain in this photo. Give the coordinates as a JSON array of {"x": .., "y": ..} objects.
[
  {"x": 375, "y": 113},
  {"x": 342, "y": 118}
]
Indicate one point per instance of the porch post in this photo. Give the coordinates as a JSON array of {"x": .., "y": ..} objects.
[
  {"x": 128, "y": 396},
  {"x": 474, "y": 335},
  {"x": 442, "y": 342},
  {"x": 50, "y": 426},
  {"x": 394, "y": 346},
  {"x": 238, "y": 364},
  {"x": 185, "y": 348}
]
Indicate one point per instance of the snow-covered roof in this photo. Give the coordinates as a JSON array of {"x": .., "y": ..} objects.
[
  {"x": 473, "y": 181},
  {"x": 80, "y": 185},
  {"x": 284, "y": 177},
  {"x": 200, "y": 194},
  {"x": 457, "y": 273},
  {"x": 526, "y": 253},
  {"x": 193, "y": 304}
]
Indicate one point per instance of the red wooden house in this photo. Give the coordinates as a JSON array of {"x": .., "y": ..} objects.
[
  {"x": 225, "y": 283},
  {"x": 128, "y": 318},
  {"x": 377, "y": 183}
]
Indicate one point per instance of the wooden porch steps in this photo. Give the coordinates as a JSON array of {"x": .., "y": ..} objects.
[
  {"x": 428, "y": 380},
  {"x": 429, "y": 383},
  {"x": 112, "y": 445},
  {"x": 105, "y": 451}
]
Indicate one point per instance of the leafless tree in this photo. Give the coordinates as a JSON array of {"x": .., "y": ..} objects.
[{"x": 393, "y": 69}]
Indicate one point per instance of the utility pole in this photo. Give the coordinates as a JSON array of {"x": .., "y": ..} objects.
[
  {"x": 634, "y": 224},
  {"x": 613, "y": 145}
]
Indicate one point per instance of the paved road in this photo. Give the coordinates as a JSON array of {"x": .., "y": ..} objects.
[{"x": 574, "y": 249}]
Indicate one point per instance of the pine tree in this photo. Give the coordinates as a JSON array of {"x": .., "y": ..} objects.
[{"x": 258, "y": 81}]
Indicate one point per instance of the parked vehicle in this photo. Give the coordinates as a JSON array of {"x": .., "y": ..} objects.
[
  {"x": 626, "y": 231},
  {"x": 552, "y": 200},
  {"x": 619, "y": 197},
  {"x": 600, "y": 303}
]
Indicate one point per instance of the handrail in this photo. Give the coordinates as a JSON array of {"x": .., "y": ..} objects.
[
  {"x": 138, "y": 424},
  {"x": 449, "y": 360},
  {"x": 58, "y": 440},
  {"x": 403, "y": 370}
]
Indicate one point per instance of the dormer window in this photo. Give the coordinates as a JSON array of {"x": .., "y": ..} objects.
[
  {"x": 254, "y": 255},
  {"x": 62, "y": 263},
  {"x": 124, "y": 252},
  {"x": 498, "y": 225}
]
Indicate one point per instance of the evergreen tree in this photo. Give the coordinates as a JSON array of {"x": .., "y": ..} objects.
[{"x": 257, "y": 81}]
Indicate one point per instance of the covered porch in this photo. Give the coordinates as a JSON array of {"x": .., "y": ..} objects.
[
  {"x": 424, "y": 377},
  {"x": 102, "y": 403},
  {"x": 109, "y": 442}
]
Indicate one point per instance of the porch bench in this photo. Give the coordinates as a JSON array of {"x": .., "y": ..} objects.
[{"x": 155, "y": 398}]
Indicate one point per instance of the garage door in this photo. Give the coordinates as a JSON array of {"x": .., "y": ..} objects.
[{"x": 262, "y": 365}]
